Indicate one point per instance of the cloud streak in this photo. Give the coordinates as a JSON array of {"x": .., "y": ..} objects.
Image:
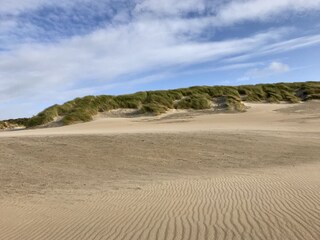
[
  {"x": 64, "y": 49},
  {"x": 272, "y": 69},
  {"x": 88, "y": 59},
  {"x": 262, "y": 10}
]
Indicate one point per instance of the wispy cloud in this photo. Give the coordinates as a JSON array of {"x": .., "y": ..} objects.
[
  {"x": 34, "y": 66},
  {"x": 74, "y": 47},
  {"x": 271, "y": 69},
  {"x": 280, "y": 47},
  {"x": 262, "y": 10},
  {"x": 15, "y": 7}
]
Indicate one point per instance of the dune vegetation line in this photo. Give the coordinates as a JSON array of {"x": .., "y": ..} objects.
[{"x": 225, "y": 98}]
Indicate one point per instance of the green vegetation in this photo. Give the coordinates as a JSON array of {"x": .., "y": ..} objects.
[
  {"x": 43, "y": 117},
  {"x": 231, "y": 104},
  {"x": 194, "y": 102},
  {"x": 309, "y": 91},
  {"x": 11, "y": 123},
  {"x": 222, "y": 98}
]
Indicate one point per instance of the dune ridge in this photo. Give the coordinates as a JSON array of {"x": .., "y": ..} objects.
[{"x": 214, "y": 98}]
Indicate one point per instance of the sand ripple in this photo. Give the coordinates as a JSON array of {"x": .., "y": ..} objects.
[{"x": 277, "y": 204}]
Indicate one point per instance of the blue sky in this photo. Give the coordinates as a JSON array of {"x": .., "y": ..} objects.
[{"x": 52, "y": 51}]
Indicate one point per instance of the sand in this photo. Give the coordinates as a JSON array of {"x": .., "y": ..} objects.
[{"x": 183, "y": 175}]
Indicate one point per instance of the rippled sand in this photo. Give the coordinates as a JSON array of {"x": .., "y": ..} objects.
[{"x": 245, "y": 176}]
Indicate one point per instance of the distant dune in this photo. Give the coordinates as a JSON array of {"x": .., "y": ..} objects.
[
  {"x": 216, "y": 98},
  {"x": 184, "y": 174},
  {"x": 302, "y": 117}
]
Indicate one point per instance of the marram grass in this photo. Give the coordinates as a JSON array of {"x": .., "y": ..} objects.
[{"x": 227, "y": 98}]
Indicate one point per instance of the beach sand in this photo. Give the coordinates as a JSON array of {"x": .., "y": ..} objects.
[{"x": 182, "y": 175}]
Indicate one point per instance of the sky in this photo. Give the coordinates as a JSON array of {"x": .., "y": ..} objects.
[{"x": 52, "y": 51}]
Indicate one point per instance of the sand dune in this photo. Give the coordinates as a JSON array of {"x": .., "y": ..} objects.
[
  {"x": 183, "y": 175},
  {"x": 304, "y": 117}
]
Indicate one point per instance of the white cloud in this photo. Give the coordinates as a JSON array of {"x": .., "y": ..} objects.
[
  {"x": 15, "y": 6},
  {"x": 278, "y": 67},
  {"x": 280, "y": 47},
  {"x": 271, "y": 69},
  {"x": 145, "y": 40},
  {"x": 241, "y": 10},
  {"x": 106, "y": 55},
  {"x": 170, "y": 7},
  {"x": 6, "y": 25},
  {"x": 18, "y": 6}
]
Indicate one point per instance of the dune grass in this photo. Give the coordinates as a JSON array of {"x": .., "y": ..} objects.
[
  {"x": 11, "y": 123},
  {"x": 196, "y": 101},
  {"x": 198, "y": 97}
]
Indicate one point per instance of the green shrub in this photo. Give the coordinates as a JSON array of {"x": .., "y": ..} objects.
[
  {"x": 18, "y": 121},
  {"x": 312, "y": 97},
  {"x": 153, "y": 108},
  {"x": 75, "y": 116},
  {"x": 159, "y": 98},
  {"x": 157, "y": 102},
  {"x": 194, "y": 102},
  {"x": 131, "y": 100},
  {"x": 230, "y": 103},
  {"x": 43, "y": 117},
  {"x": 252, "y": 93}
]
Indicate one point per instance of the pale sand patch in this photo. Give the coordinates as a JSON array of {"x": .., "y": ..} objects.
[{"x": 183, "y": 175}]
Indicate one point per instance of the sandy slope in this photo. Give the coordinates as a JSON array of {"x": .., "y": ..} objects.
[
  {"x": 184, "y": 175},
  {"x": 259, "y": 117}
]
